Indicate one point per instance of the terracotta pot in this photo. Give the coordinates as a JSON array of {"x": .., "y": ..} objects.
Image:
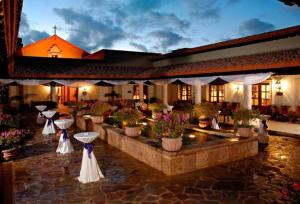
[
  {"x": 132, "y": 131},
  {"x": 9, "y": 154},
  {"x": 204, "y": 123},
  {"x": 245, "y": 132},
  {"x": 97, "y": 119},
  {"x": 172, "y": 144}
]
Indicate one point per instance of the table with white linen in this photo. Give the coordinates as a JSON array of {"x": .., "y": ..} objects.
[
  {"x": 90, "y": 171},
  {"x": 49, "y": 126},
  {"x": 40, "y": 118},
  {"x": 64, "y": 144}
]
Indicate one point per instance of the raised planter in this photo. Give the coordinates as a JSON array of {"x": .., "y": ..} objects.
[
  {"x": 9, "y": 154},
  {"x": 172, "y": 144},
  {"x": 187, "y": 159},
  {"x": 132, "y": 131},
  {"x": 245, "y": 132},
  {"x": 97, "y": 119},
  {"x": 204, "y": 123}
]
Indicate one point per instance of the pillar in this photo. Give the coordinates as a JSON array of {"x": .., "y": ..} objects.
[
  {"x": 53, "y": 95},
  {"x": 197, "y": 94},
  {"x": 141, "y": 92},
  {"x": 165, "y": 94},
  {"x": 247, "y": 96}
]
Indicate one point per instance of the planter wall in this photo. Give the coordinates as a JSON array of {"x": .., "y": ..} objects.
[{"x": 245, "y": 132}]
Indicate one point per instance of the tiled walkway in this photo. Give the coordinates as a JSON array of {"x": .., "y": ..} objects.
[
  {"x": 284, "y": 127},
  {"x": 41, "y": 178}
]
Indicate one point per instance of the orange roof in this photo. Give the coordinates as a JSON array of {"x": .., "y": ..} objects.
[
  {"x": 277, "y": 34},
  {"x": 43, "y": 47}
]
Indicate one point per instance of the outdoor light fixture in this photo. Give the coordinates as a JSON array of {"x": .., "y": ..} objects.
[
  {"x": 192, "y": 136},
  {"x": 237, "y": 88},
  {"x": 278, "y": 88},
  {"x": 84, "y": 92}
]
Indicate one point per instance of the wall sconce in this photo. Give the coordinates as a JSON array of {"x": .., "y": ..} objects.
[
  {"x": 237, "y": 87},
  {"x": 278, "y": 88},
  {"x": 84, "y": 92}
]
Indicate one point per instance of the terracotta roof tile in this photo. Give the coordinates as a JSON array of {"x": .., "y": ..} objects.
[{"x": 31, "y": 67}]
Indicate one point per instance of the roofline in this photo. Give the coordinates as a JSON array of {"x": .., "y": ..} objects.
[
  {"x": 272, "y": 35},
  {"x": 124, "y": 51},
  {"x": 86, "y": 53}
]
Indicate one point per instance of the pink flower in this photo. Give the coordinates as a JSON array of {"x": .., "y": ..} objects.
[
  {"x": 296, "y": 186},
  {"x": 284, "y": 192}
]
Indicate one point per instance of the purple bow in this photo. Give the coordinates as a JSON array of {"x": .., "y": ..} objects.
[
  {"x": 89, "y": 148},
  {"x": 65, "y": 134},
  {"x": 49, "y": 121}
]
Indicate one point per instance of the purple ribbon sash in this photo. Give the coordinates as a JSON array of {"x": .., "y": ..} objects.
[
  {"x": 49, "y": 121},
  {"x": 65, "y": 134},
  {"x": 89, "y": 148}
]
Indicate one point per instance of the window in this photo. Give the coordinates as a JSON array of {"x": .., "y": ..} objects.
[
  {"x": 261, "y": 94},
  {"x": 184, "y": 92},
  {"x": 136, "y": 92},
  {"x": 216, "y": 93}
]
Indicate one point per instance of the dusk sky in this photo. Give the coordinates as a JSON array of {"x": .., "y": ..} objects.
[{"x": 152, "y": 25}]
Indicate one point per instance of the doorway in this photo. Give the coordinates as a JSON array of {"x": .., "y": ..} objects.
[{"x": 66, "y": 93}]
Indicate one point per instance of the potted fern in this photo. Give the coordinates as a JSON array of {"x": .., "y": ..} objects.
[
  {"x": 205, "y": 112},
  {"x": 97, "y": 111},
  {"x": 242, "y": 121}
]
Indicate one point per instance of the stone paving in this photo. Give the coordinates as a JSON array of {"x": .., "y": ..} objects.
[{"x": 43, "y": 176}]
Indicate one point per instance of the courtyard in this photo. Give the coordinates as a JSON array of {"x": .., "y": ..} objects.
[{"x": 39, "y": 176}]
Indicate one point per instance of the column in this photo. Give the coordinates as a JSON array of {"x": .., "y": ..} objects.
[
  {"x": 141, "y": 92},
  {"x": 197, "y": 94},
  {"x": 165, "y": 94},
  {"x": 247, "y": 96},
  {"x": 53, "y": 94}
]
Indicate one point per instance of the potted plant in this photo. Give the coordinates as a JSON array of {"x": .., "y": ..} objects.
[
  {"x": 156, "y": 108},
  {"x": 170, "y": 128},
  {"x": 242, "y": 121},
  {"x": 97, "y": 111},
  {"x": 205, "y": 112},
  {"x": 9, "y": 141},
  {"x": 130, "y": 118}
]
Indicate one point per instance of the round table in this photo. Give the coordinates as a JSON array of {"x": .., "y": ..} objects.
[
  {"x": 49, "y": 126},
  {"x": 64, "y": 144},
  {"x": 40, "y": 118},
  {"x": 90, "y": 171}
]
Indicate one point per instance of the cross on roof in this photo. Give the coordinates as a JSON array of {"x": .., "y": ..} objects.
[{"x": 54, "y": 28}]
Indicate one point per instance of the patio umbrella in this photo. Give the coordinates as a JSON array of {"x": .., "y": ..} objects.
[
  {"x": 218, "y": 81},
  {"x": 149, "y": 83},
  {"x": 53, "y": 84},
  {"x": 178, "y": 82},
  {"x": 131, "y": 82},
  {"x": 14, "y": 83},
  {"x": 103, "y": 83}
]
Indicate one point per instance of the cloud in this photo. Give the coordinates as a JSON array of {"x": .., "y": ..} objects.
[
  {"x": 139, "y": 6},
  {"x": 29, "y": 35},
  {"x": 203, "y": 10},
  {"x": 169, "y": 19},
  {"x": 255, "y": 26},
  {"x": 164, "y": 39},
  {"x": 89, "y": 33},
  {"x": 138, "y": 46}
]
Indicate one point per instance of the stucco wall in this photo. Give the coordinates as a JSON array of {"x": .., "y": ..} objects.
[{"x": 287, "y": 43}]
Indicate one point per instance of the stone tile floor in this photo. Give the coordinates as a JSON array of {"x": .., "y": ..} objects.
[{"x": 40, "y": 177}]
